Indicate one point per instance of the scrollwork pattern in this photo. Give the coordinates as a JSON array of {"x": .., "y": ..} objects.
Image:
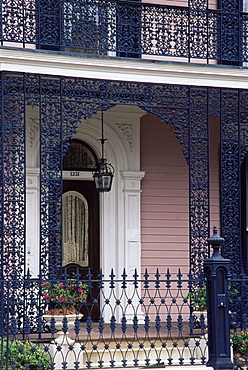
[
  {"x": 230, "y": 179},
  {"x": 51, "y": 177},
  {"x": 126, "y": 129},
  {"x": 33, "y": 128},
  {"x": 13, "y": 198},
  {"x": 199, "y": 178},
  {"x": 13, "y": 152},
  {"x": 64, "y": 102},
  {"x": 128, "y": 29}
]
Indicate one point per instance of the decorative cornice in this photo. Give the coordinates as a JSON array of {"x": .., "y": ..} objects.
[
  {"x": 110, "y": 68},
  {"x": 127, "y": 130}
]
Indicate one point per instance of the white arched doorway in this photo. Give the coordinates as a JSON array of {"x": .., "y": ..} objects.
[
  {"x": 120, "y": 208},
  {"x": 119, "y": 220}
]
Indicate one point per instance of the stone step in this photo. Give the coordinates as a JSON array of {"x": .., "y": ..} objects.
[
  {"x": 168, "y": 355},
  {"x": 128, "y": 355}
]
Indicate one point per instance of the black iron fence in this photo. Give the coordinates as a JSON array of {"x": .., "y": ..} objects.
[
  {"x": 128, "y": 29},
  {"x": 75, "y": 323}
]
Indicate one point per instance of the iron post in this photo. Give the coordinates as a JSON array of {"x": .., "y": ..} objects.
[{"x": 216, "y": 269}]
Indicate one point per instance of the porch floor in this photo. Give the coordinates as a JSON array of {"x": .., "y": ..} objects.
[{"x": 141, "y": 334}]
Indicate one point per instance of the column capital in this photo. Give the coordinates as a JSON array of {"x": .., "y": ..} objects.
[{"x": 132, "y": 180}]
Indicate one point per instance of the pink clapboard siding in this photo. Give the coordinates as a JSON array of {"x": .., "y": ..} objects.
[
  {"x": 165, "y": 196},
  {"x": 164, "y": 199}
]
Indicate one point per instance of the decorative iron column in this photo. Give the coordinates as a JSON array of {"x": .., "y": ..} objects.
[
  {"x": 230, "y": 172},
  {"x": 50, "y": 177},
  {"x": 12, "y": 201},
  {"x": 199, "y": 178}
]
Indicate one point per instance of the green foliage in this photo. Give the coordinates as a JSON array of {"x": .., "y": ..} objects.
[
  {"x": 19, "y": 354},
  {"x": 66, "y": 294},
  {"x": 240, "y": 342},
  {"x": 198, "y": 298}
]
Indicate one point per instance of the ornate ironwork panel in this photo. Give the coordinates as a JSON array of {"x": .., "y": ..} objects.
[
  {"x": 63, "y": 102},
  {"x": 198, "y": 33},
  {"x": 19, "y": 21},
  {"x": 51, "y": 176},
  {"x": 49, "y": 24},
  {"x": 198, "y": 4},
  {"x": 178, "y": 119},
  {"x": 231, "y": 156},
  {"x": 12, "y": 199},
  {"x": 82, "y": 98},
  {"x": 232, "y": 107},
  {"x": 13, "y": 176},
  {"x": 109, "y": 93},
  {"x": 199, "y": 178},
  {"x": 129, "y": 29},
  {"x": 229, "y": 6},
  {"x": 69, "y": 100},
  {"x": 32, "y": 86},
  {"x": 171, "y": 104},
  {"x": 230, "y": 37},
  {"x": 214, "y": 102},
  {"x": 244, "y": 35},
  {"x": 243, "y": 109}
]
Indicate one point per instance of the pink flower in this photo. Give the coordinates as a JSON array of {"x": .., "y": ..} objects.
[
  {"x": 46, "y": 296},
  {"x": 61, "y": 284}
]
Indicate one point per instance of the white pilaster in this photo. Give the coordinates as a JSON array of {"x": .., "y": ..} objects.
[
  {"x": 132, "y": 220},
  {"x": 132, "y": 250},
  {"x": 32, "y": 221}
]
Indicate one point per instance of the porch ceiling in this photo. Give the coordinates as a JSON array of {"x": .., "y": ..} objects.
[{"x": 17, "y": 60}]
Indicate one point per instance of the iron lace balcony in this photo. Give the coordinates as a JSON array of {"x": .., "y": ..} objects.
[{"x": 128, "y": 29}]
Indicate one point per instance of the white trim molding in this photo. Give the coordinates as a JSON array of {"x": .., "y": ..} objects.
[{"x": 145, "y": 70}]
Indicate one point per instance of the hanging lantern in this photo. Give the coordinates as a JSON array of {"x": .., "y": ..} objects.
[{"x": 103, "y": 172}]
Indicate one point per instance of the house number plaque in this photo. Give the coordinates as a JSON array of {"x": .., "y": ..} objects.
[{"x": 74, "y": 174}]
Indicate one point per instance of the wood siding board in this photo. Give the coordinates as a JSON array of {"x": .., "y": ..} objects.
[{"x": 165, "y": 193}]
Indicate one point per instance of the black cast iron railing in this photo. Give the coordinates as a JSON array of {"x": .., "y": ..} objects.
[
  {"x": 128, "y": 29},
  {"x": 123, "y": 321},
  {"x": 137, "y": 321}
]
